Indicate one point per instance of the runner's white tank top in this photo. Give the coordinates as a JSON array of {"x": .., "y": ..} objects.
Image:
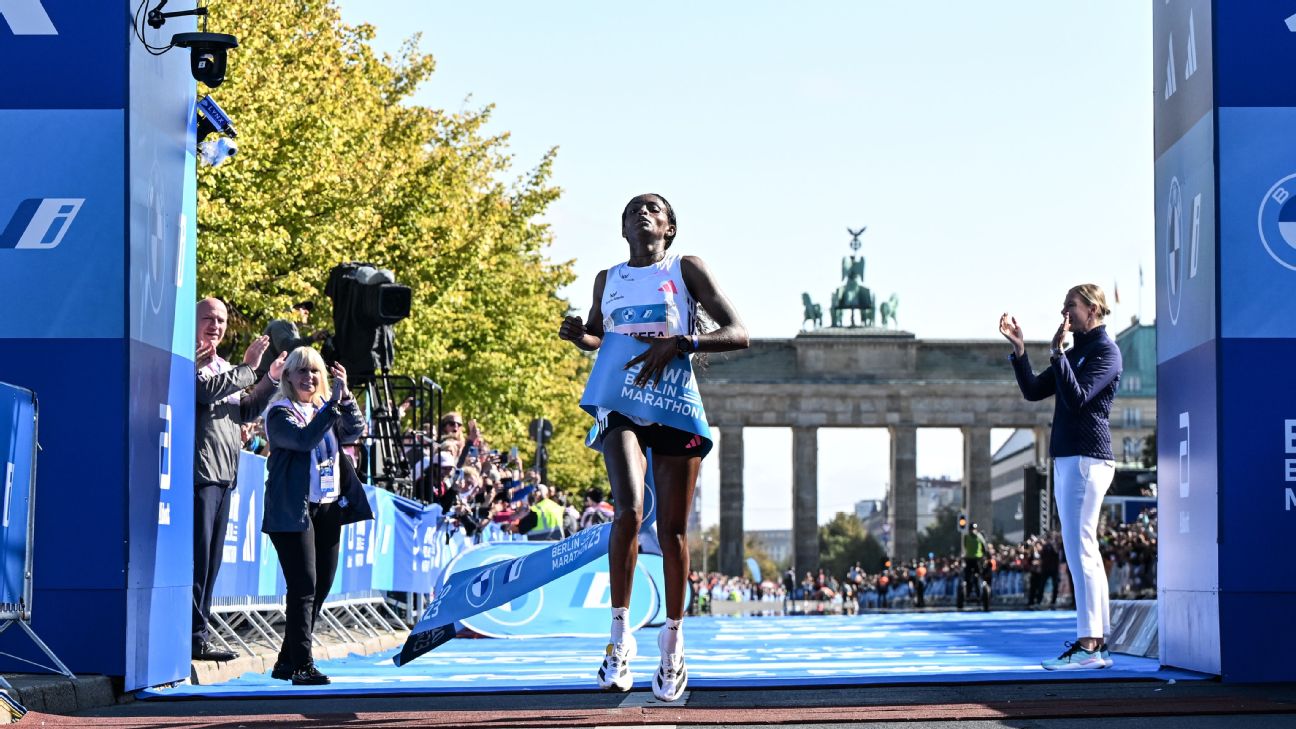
[{"x": 651, "y": 300}]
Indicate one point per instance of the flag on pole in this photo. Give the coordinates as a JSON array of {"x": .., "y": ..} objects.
[{"x": 1140, "y": 275}]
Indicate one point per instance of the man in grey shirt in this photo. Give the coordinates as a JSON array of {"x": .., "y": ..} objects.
[
  {"x": 285, "y": 337},
  {"x": 224, "y": 403}
]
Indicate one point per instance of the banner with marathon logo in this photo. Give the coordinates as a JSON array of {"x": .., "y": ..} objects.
[
  {"x": 674, "y": 400},
  {"x": 478, "y": 589}
]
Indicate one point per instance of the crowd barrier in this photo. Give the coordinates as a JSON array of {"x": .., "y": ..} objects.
[
  {"x": 18, "y": 446},
  {"x": 406, "y": 548}
]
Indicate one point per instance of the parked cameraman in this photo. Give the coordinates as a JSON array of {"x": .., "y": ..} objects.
[{"x": 284, "y": 336}]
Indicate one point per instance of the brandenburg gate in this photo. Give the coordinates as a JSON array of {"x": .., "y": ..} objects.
[
  {"x": 863, "y": 378},
  {"x": 855, "y": 374}
]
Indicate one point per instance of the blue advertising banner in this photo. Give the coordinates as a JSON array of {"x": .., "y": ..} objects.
[
  {"x": 1258, "y": 443},
  {"x": 1187, "y": 506},
  {"x": 68, "y": 51},
  {"x": 17, "y": 469},
  {"x": 1257, "y": 158},
  {"x": 406, "y": 548},
  {"x": 1253, "y": 51},
  {"x": 1185, "y": 243},
  {"x": 62, "y": 214},
  {"x": 575, "y": 605},
  {"x": 479, "y": 589}
]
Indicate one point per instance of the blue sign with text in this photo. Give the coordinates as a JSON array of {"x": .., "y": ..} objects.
[{"x": 576, "y": 605}]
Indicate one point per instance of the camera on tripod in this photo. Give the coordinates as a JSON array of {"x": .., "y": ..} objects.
[{"x": 367, "y": 303}]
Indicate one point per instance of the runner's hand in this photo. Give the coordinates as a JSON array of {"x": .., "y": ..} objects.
[
  {"x": 572, "y": 329},
  {"x": 661, "y": 350}
]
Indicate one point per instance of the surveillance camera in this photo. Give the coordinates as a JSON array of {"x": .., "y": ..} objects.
[
  {"x": 206, "y": 54},
  {"x": 213, "y": 153}
]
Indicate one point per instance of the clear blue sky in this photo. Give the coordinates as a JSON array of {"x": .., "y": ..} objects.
[{"x": 998, "y": 153}]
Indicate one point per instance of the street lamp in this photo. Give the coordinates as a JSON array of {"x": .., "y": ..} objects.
[{"x": 706, "y": 547}]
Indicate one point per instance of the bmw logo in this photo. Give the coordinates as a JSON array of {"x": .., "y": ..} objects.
[
  {"x": 1174, "y": 250},
  {"x": 480, "y": 588},
  {"x": 1277, "y": 222}
]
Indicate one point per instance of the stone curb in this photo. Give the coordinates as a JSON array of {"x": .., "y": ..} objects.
[
  {"x": 55, "y": 694},
  {"x": 205, "y": 673}
]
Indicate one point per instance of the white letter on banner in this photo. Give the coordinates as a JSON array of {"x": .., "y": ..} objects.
[
  {"x": 9, "y": 469},
  {"x": 1170, "y": 71},
  {"x": 164, "y": 448},
  {"x": 1196, "y": 236},
  {"x": 1290, "y": 425},
  {"x": 599, "y": 594},
  {"x": 1291, "y": 499},
  {"x": 27, "y": 17},
  {"x": 250, "y": 531},
  {"x": 1190, "y": 64},
  {"x": 1280, "y": 195},
  {"x": 1290, "y": 464},
  {"x": 1183, "y": 456}
]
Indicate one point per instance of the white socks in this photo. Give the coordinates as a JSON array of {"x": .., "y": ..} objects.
[
  {"x": 671, "y": 638},
  {"x": 620, "y": 617}
]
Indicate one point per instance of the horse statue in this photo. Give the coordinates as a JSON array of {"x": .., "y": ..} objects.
[
  {"x": 813, "y": 312},
  {"x": 888, "y": 309},
  {"x": 852, "y": 295}
]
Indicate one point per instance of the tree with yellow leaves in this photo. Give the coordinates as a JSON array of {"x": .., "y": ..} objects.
[{"x": 335, "y": 165}]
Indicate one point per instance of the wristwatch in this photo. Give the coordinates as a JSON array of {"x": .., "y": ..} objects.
[{"x": 683, "y": 344}]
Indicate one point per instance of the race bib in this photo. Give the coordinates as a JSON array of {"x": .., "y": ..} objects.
[{"x": 327, "y": 482}]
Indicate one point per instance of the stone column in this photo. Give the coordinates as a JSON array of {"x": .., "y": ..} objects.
[
  {"x": 976, "y": 478},
  {"x": 731, "y": 501},
  {"x": 805, "y": 499},
  {"x": 903, "y": 510},
  {"x": 1042, "y": 434}
]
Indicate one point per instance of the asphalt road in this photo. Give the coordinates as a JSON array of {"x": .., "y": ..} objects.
[{"x": 1117, "y": 705}]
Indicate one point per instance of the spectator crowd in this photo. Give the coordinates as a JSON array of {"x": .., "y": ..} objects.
[{"x": 1032, "y": 574}]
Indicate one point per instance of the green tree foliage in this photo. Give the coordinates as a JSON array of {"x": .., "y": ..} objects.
[
  {"x": 337, "y": 165},
  {"x": 709, "y": 539},
  {"x": 843, "y": 542},
  {"x": 942, "y": 537}
]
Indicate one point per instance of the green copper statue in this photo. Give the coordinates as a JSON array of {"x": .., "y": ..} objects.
[{"x": 853, "y": 295}]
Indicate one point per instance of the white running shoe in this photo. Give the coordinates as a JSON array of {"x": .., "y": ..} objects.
[
  {"x": 614, "y": 674},
  {"x": 671, "y": 678}
]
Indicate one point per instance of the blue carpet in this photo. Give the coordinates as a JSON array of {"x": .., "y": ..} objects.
[{"x": 750, "y": 652}]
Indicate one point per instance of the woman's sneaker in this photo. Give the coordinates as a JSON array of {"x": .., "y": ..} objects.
[
  {"x": 1076, "y": 658},
  {"x": 614, "y": 674},
  {"x": 1106, "y": 655},
  {"x": 671, "y": 678}
]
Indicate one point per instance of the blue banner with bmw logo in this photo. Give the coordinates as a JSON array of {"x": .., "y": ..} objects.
[
  {"x": 575, "y": 605},
  {"x": 1226, "y": 267},
  {"x": 489, "y": 586}
]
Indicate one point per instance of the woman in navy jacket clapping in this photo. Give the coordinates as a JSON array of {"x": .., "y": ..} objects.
[
  {"x": 311, "y": 491},
  {"x": 1082, "y": 380}
]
